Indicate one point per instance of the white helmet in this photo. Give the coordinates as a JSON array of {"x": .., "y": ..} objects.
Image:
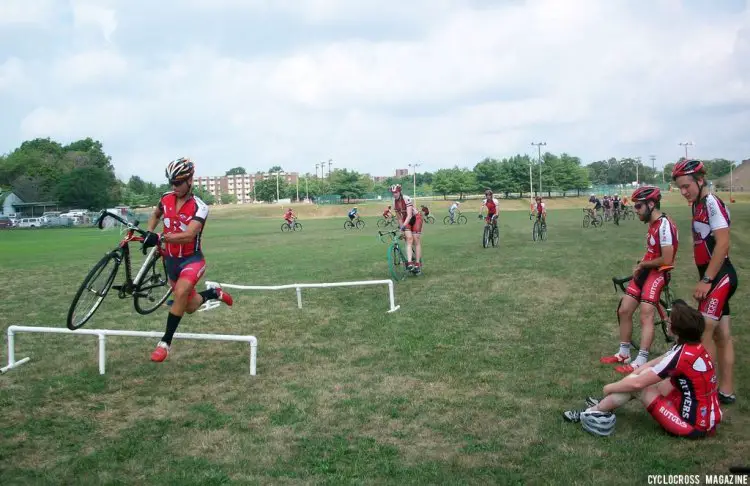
[
  {"x": 180, "y": 169},
  {"x": 598, "y": 423}
]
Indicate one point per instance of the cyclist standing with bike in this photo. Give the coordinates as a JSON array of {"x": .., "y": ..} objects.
[
  {"x": 718, "y": 278},
  {"x": 410, "y": 222},
  {"x": 184, "y": 216},
  {"x": 648, "y": 279},
  {"x": 541, "y": 210}
]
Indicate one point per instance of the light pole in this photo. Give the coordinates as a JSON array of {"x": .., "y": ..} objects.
[
  {"x": 653, "y": 165},
  {"x": 686, "y": 144},
  {"x": 414, "y": 194},
  {"x": 637, "y": 166},
  {"x": 316, "y": 170},
  {"x": 277, "y": 183},
  {"x": 330, "y": 163},
  {"x": 307, "y": 193},
  {"x": 539, "y": 151}
]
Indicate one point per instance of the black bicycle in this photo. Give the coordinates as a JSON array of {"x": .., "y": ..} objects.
[
  {"x": 539, "y": 232},
  {"x": 149, "y": 288},
  {"x": 491, "y": 235},
  {"x": 664, "y": 309}
]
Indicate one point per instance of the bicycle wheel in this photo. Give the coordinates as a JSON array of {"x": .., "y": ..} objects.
[
  {"x": 397, "y": 262},
  {"x": 495, "y": 236},
  {"x": 285, "y": 227},
  {"x": 381, "y": 223},
  {"x": 535, "y": 231},
  {"x": 616, "y": 217},
  {"x": 297, "y": 227},
  {"x": 154, "y": 288},
  {"x": 348, "y": 225},
  {"x": 543, "y": 231},
  {"x": 486, "y": 236},
  {"x": 463, "y": 219},
  {"x": 430, "y": 220},
  {"x": 360, "y": 224},
  {"x": 92, "y": 291},
  {"x": 586, "y": 221},
  {"x": 447, "y": 220}
]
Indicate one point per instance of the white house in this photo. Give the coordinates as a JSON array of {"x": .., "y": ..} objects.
[{"x": 7, "y": 200}]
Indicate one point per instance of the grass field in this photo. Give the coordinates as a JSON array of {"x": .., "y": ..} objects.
[{"x": 463, "y": 385}]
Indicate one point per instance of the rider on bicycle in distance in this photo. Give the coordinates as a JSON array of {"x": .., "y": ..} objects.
[
  {"x": 491, "y": 203},
  {"x": 541, "y": 210}
]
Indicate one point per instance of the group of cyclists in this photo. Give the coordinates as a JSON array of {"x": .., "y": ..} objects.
[
  {"x": 681, "y": 389},
  {"x": 608, "y": 206}
]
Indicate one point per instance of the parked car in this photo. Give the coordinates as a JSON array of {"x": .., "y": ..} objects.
[
  {"x": 5, "y": 222},
  {"x": 30, "y": 223}
]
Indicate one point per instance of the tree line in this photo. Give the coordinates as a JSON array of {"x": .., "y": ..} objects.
[{"x": 81, "y": 175}]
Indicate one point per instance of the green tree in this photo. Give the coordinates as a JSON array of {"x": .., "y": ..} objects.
[
  {"x": 236, "y": 171},
  {"x": 137, "y": 185},
  {"x": 204, "y": 195},
  {"x": 265, "y": 190},
  {"x": 87, "y": 187},
  {"x": 228, "y": 199},
  {"x": 348, "y": 184},
  {"x": 444, "y": 183},
  {"x": 275, "y": 168}
]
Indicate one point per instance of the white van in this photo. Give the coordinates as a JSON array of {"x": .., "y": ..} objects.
[{"x": 30, "y": 223}]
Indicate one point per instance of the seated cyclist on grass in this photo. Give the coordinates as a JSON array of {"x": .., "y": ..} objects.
[{"x": 678, "y": 389}]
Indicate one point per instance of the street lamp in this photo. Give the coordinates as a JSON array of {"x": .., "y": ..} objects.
[
  {"x": 330, "y": 163},
  {"x": 278, "y": 173},
  {"x": 686, "y": 144},
  {"x": 415, "y": 178},
  {"x": 653, "y": 165},
  {"x": 316, "y": 170},
  {"x": 539, "y": 151}
]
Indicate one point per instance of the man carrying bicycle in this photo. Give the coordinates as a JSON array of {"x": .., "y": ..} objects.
[
  {"x": 718, "y": 277},
  {"x": 184, "y": 216},
  {"x": 541, "y": 210},
  {"x": 410, "y": 222},
  {"x": 492, "y": 204},
  {"x": 649, "y": 279},
  {"x": 452, "y": 210}
]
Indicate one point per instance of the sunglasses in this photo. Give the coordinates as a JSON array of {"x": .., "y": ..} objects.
[
  {"x": 177, "y": 183},
  {"x": 638, "y": 205}
]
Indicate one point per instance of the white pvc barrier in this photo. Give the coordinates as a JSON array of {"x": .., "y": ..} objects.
[
  {"x": 103, "y": 333},
  {"x": 212, "y": 304}
]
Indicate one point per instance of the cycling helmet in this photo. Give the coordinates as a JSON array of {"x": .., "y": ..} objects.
[
  {"x": 646, "y": 193},
  {"x": 180, "y": 169},
  {"x": 488, "y": 192},
  {"x": 688, "y": 167},
  {"x": 538, "y": 198},
  {"x": 396, "y": 188},
  {"x": 598, "y": 423}
]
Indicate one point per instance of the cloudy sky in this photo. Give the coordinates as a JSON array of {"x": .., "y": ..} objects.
[{"x": 375, "y": 84}]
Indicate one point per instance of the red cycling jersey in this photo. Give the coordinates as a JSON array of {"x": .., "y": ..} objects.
[
  {"x": 177, "y": 221},
  {"x": 692, "y": 373},
  {"x": 400, "y": 205},
  {"x": 661, "y": 232},
  {"x": 709, "y": 214},
  {"x": 540, "y": 208},
  {"x": 491, "y": 206}
]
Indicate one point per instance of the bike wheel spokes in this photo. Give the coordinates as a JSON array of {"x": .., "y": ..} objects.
[
  {"x": 297, "y": 226},
  {"x": 154, "y": 289},
  {"x": 397, "y": 262},
  {"x": 535, "y": 231},
  {"x": 495, "y": 236},
  {"x": 92, "y": 291},
  {"x": 285, "y": 227},
  {"x": 462, "y": 219},
  {"x": 360, "y": 224},
  {"x": 485, "y": 237}
]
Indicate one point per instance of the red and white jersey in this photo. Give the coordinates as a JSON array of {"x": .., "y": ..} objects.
[
  {"x": 540, "y": 208},
  {"x": 176, "y": 221},
  {"x": 400, "y": 205},
  {"x": 709, "y": 214},
  {"x": 661, "y": 233},
  {"x": 492, "y": 205},
  {"x": 691, "y": 371}
]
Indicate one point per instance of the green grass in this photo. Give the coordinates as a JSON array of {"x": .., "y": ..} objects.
[{"x": 463, "y": 385}]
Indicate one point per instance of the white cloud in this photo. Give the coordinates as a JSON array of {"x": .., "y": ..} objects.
[
  {"x": 87, "y": 13},
  {"x": 594, "y": 79},
  {"x": 27, "y": 12}
]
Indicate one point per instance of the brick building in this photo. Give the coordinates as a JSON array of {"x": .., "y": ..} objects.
[{"x": 240, "y": 185}]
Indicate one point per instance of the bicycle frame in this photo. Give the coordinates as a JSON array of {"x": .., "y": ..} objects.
[
  {"x": 122, "y": 253},
  {"x": 664, "y": 308}
]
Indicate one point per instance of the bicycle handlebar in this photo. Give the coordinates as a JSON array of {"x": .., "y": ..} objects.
[
  {"x": 621, "y": 281},
  {"x": 131, "y": 226}
]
